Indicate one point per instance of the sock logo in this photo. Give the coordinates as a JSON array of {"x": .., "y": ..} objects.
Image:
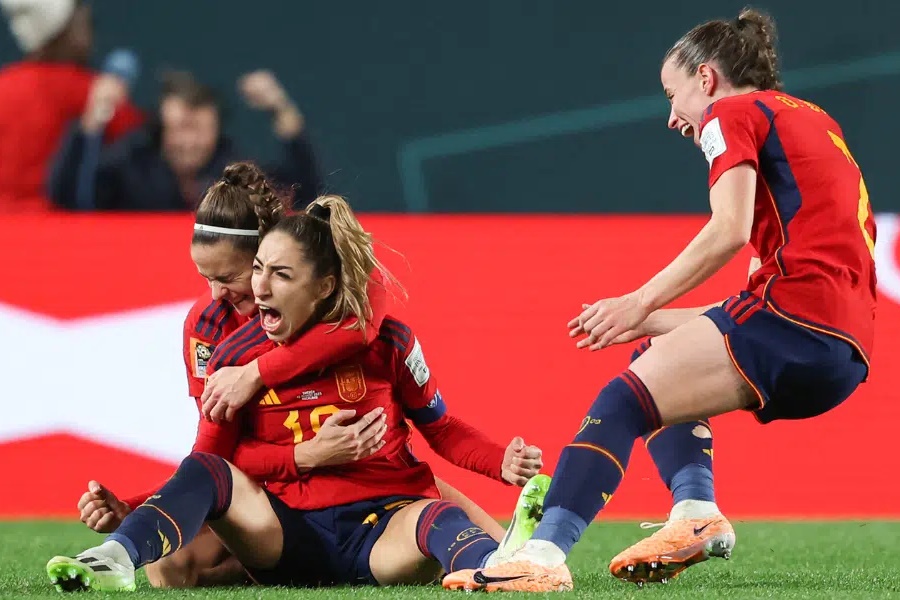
[
  {"x": 166, "y": 546},
  {"x": 588, "y": 420},
  {"x": 470, "y": 532},
  {"x": 606, "y": 497}
]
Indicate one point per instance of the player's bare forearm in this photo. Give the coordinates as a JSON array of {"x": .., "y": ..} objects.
[
  {"x": 723, "y": 236},
  {"x": 664, "y": 320}
]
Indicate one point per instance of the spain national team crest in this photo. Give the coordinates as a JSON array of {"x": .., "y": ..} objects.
[{"x": 351, "y": 383}]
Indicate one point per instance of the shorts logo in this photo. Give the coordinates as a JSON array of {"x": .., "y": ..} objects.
[
  {"x": 201, "y": 352},
  {"x": 351, "y": 383}
]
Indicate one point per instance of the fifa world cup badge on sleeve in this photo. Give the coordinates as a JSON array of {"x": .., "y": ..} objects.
[
  {"x": 351, "y": 383},
  {"x": 201, "y": 352},
  {"x": 712, "y": 141},
  {"x": 415, "y": 362}
]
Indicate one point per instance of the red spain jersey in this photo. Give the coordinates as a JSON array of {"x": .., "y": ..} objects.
[
  {"x": 207, "y": 323},
  {"x": 392, "y": 374},
  {"x": 813, "y": 229}
]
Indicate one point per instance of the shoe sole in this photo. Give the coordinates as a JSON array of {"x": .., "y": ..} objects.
[
  {"x": 69, "y": 575},
  {"x": 663, "y": 568},
  {"x": 543, "y": 583}
]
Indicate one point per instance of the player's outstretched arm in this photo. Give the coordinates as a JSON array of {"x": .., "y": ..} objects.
[
  {"x": 454, "y": 440},
  {"x": 325, "y": 344},
  {"x": 728, "y": 230}
]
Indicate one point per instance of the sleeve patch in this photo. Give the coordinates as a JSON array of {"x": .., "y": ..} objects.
[
  {"x": 712, "y": 141},
  {"x": 201, "y": 352},
  {"x": 415, "y": 362}
]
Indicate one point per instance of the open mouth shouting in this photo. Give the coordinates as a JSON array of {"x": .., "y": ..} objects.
[{"x": 270, "y": 318}]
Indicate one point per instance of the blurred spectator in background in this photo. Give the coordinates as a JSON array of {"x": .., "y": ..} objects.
[
  {"x": 169, "y": 164},
  {"x": 41, "y": 94}
]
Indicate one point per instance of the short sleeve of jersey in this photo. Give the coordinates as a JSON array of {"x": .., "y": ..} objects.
[
  {"x": 731, "y": 133},
  {"x": 197, "y": 349},
  {"x": 417, "y": 388}
]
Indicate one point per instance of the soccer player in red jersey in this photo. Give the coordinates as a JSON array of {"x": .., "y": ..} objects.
[
  {"x": 793, "y": 345},
  {"x": 378, "y": 520},
  {"x": 226, "y": 235}
]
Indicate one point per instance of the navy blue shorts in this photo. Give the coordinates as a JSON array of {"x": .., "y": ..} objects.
[
  {"x": 330, "y": 546},
  {"x": 796, "y": 372}
]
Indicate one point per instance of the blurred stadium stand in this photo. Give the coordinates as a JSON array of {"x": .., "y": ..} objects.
[{"x": 507, "y": 106}]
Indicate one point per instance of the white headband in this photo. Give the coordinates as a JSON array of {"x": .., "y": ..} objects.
[{"x": 225, "y": 230}]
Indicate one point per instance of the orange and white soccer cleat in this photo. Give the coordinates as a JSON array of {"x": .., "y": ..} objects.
[
  {"x": 518, "y": 576},
  {"x": 678, "y": 545}
]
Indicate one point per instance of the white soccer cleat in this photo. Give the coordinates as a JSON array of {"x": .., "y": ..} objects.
[{"x": 93, "y": 569}]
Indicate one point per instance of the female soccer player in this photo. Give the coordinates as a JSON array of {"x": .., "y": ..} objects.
[
  {"x": 376, "y": 520},
  {"x": 793, "y": 345},
  {"x": 229, "y": 221}
]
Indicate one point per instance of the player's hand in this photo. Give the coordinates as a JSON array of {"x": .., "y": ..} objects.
[
  {"x": 228, "y": 390},
  {"x": 520, "y": 462},
  {"x": 608, "y": 319},
  {"x": 629, "y": 336},
  {"x": 100, "y": 509},
  {"x": 339, "y": 444}
]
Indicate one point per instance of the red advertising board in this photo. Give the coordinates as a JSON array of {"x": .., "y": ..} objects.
[{"x": 90, "y": 318}]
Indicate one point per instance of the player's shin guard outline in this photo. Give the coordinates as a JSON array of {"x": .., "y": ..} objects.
[
  {"x": 592, "y": 466},
  {"x": 445, "y": 533}
]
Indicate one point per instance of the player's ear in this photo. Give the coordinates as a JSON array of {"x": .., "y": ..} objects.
[
  {"x": 326, "y": 287},
  {"x": 708, "y": 79}
]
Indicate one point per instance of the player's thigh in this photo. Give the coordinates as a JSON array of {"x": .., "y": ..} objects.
[
  {"x": 395, "y": 558},
  {"x": 690, "y": 375},
  {"x": 250, "y": 529},
  {"x": 184, "y": 568},
  {"x": 475, "y": 513}
]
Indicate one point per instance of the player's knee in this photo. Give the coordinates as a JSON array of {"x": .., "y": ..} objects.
[{"x": 179, "y": 570}]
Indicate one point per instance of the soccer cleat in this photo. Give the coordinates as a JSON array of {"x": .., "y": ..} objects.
[
  {"x": 517, "y": 576},
  {"x": 678, "y": 545},
  {"x": 90, "y": 570},
  {"x": 528, "y": 513}
]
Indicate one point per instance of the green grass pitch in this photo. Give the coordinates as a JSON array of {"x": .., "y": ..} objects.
[{"x": 855, "y": 559}]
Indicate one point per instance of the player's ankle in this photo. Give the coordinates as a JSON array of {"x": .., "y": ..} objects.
[
  {"x": 694, "y": 509},
  {"x": 543, "y": 552},
  {"x": 116, "y": 551}
]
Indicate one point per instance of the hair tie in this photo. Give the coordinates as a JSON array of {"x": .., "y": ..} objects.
[{"x": 320, "y": 212}]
